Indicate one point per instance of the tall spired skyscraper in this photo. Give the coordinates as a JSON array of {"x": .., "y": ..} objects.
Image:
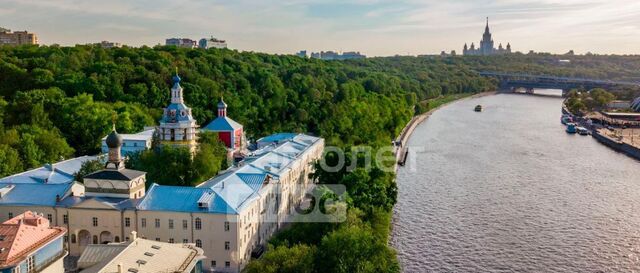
[{"x": 486, "y": 45}]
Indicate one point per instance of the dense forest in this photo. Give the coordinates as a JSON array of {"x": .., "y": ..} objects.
[{"x": 58, "y": 102}]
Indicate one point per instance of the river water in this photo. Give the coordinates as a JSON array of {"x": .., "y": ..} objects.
[{"x": 507, "y": 190}]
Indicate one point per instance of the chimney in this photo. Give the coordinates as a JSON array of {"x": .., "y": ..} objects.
[
  {"x": 134, "y": 235},
  {"x": 120, "y": 268}
]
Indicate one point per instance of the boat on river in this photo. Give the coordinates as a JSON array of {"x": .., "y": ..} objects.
[
  {"x": 582, "y": 131},
  {"x": 571, "y": 128},
  {"x": 478, "y": 108}
]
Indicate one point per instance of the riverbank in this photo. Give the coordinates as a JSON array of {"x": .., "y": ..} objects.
[
  {"x": 620, "y": 144},
  {"x": 620, "y": 140},
  {"x": 407, "y": 131}
]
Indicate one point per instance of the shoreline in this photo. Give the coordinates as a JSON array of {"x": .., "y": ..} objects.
[{"x": 408, "y": 129}]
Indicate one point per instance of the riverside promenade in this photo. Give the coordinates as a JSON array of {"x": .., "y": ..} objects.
[{"x": 625, "y": 141}]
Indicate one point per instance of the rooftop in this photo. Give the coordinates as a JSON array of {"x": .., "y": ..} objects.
[
  {"x": 57, "y": 173},
  {"x": 140, "y": 255},
  {"x": 222, "y": 124},
  {"x": 24, "y": 234},
  {"x": 32, "y": 194},
  {"x": 144, "y": 135},
  {"x": 228, "y": 192}
]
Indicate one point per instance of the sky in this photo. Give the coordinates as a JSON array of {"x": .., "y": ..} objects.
[{"x": 373, "y": 27}]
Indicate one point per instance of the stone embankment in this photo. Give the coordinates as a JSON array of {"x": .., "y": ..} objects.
[{"x": 400, "y": 148}]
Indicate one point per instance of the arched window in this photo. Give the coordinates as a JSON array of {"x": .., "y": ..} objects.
[
  {"x": 198, "y": 243},
  {"x": 73, "y": 238},
  {"x": 117, "y": 239},
  {"x": 198, "y": 224},
  {"x": 95, "y": 239}
]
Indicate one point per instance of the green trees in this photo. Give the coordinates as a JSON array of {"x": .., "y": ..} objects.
[
  {"x": 596, "y": 99},
  {"x": 88, "y": 167},
  {"x": 297, "y": 259},
  {"x": 177, "y": 166}
]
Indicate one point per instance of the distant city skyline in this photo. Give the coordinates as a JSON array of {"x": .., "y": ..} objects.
[{"x": 373, "y": 27}]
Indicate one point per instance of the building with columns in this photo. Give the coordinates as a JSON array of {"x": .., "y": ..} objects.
[
  {"x": 177, "y": 126},
  {"x": 228, "y": 216},
  {"x": 486, "y": 46}
]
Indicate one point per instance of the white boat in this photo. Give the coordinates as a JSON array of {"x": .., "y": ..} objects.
[{"x": 582, "y": 131}]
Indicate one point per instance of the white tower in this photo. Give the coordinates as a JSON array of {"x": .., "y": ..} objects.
[{"x": 177, "y": 126}]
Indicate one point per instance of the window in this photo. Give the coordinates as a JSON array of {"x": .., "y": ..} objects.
[
  {"x": 198, "y": 224},
  {"x": 171, "y": 240},
  {"x": 73, "y": 238},
  {"x": 126, "y": 239},
  {"x": 185, "y": 224},
  {"x": 50, "y": 218},
  {"x": 157, "y": 239},
  {"x": 143, "y": 222},
  {"x": 66, "y": 238},
  {"x": 170, "y": 224},
  {"x": 157, "y": 223},
  {"x": 10, "y": 215},
  {"x": 117, "y": 239},
  {"x": 227, "y": 245},
  {"x": 95, "y": 221},
  {"x": 227, "y": 264},
  {"x": 185, "y": 241},
  {"x": 95, "y": 239},
  {"x": 198, "y": 243},
  {"x": 127, "y": 222},
  {"x": 31, "y": 264},
  {"x": 226, "y": 226},
  {"x": 213, "y": 263},
  {"x": 65, "y": 219}
]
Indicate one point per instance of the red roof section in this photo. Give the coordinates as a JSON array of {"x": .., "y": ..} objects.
[{"x": 23, "y": 234}]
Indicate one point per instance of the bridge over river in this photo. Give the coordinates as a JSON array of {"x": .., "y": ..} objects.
[{"x": 511, "y": 82}]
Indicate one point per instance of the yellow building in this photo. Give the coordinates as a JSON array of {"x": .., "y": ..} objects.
[
  {"x": 17, "y": 38},
  {"x": 227, "y": 216}
]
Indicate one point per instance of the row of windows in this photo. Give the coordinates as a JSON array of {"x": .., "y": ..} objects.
[
  {"x": 185, "y": 224},
  {"x": 227, "y": 264},
  {"x": 143, "y": 222},
  {"x": 227, "y": 244}
]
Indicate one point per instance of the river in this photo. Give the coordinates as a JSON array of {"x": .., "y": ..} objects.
[{"x": 507, "y": 190}]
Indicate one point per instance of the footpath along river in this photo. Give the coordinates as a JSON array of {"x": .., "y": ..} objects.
[{"x": 507, "y": 190}]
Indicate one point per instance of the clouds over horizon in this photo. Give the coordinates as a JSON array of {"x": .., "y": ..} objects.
[{"x": 374, "y": 27}]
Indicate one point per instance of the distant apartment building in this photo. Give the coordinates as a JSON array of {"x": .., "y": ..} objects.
[
  {"x": 332, "y": 55},
  {"x": 141, "y": 255},
  {"x": 17, "y": 37},
  {"x": 181, "y": 42},
  {"x": 212, "y": 42},
  {"x": 302, "y": 54},
  {"x": 107, "y": 44},
  {"x": 28, "y": 244}
]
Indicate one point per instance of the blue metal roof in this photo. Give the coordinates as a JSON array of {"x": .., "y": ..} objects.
[
  {"x": 57, "y": 173},
  {"x": 182, "y": 199},
  {"x": 222, "y": 124},
  {"x": 31, "y": 194},
  {"x": 115, "y": 203},
  {"x": 179, "y": 108},
  {"x": 277, "y": 137}
]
